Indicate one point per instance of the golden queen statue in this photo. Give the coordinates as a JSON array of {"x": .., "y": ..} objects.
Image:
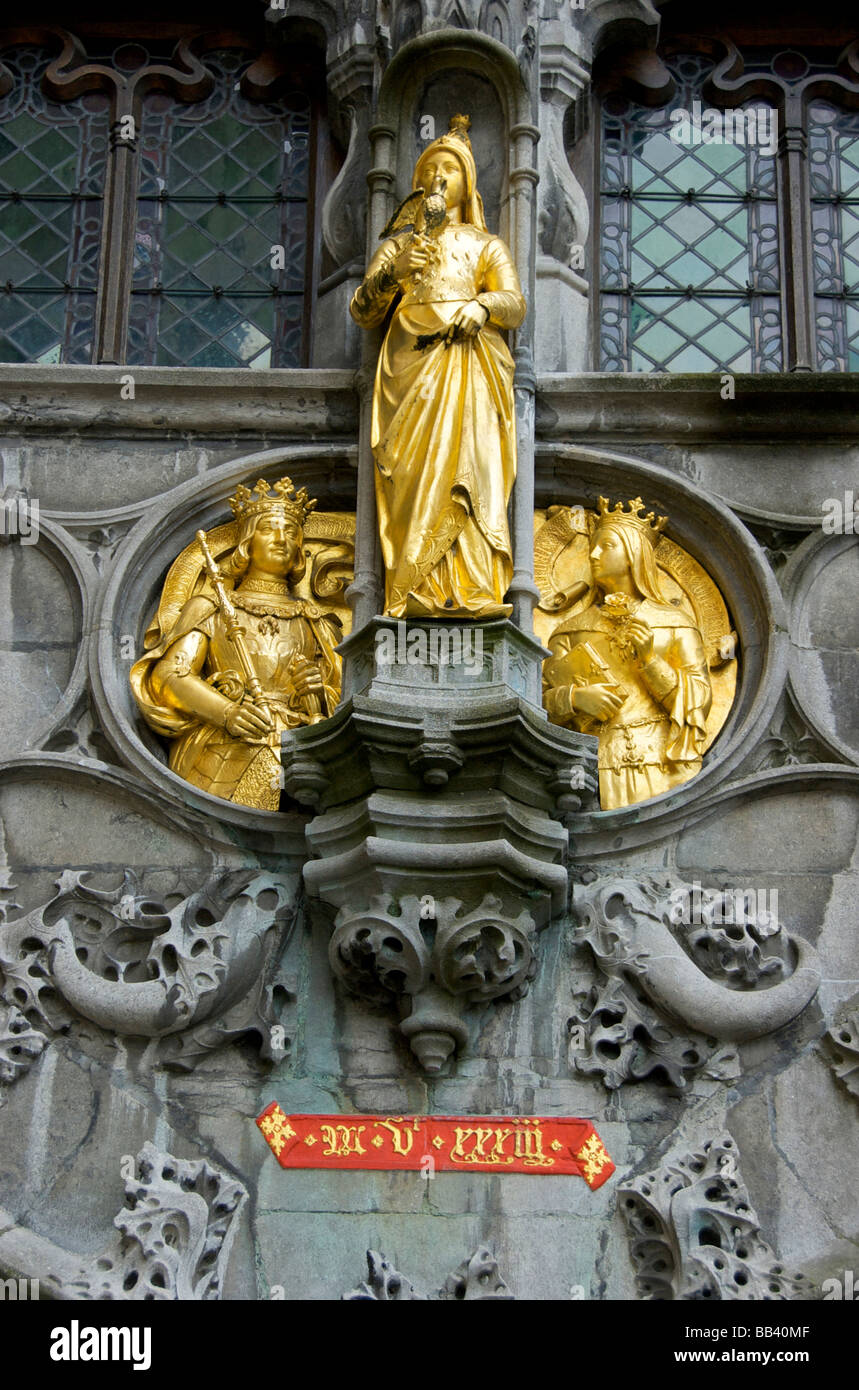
[
  {"x": 233, "y": 656},
  {"x": 632, "y": 666},
  {"x": 443, "y": 427}
]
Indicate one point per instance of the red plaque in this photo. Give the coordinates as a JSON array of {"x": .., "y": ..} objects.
[{"x": 436, "y": 1143}]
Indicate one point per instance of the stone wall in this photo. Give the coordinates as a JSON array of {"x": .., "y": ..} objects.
[{"x": 164, "y": 956}]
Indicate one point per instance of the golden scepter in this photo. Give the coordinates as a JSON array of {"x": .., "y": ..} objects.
[{"x": 234, "y": 631}]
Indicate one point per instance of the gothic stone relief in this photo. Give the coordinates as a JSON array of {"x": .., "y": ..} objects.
[
  {"x": 842, "y": 1045},
  {"x": 188, "y": 977},
  {"x": 694, "y": 1234},
  {"x": 643, "y": 654},
  {"x": 667, "y": 954},
  {"x": 235, "y": 654},
  {"x": 172, "y": 1242},
  {"x": 478, "y": 1277},
  {"x": 437, "y": 955}
]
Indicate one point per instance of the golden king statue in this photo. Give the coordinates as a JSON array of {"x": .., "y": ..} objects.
[
  {"x": 443, "y": 427},
  {"x": 233, "y": 657},
  {"x": 632, "y": 666}
]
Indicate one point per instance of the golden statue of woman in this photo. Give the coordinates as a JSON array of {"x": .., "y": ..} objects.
[
  {"x": 443, "y": 428},
  {"x": 234, "y": 657},
  {"x": 631, "y": 666}
]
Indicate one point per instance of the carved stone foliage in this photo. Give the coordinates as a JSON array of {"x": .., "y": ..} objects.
[
  {"x": 777, "y": 543},
  {"x": 438, "y": 954},
  {"x": 842, "y": 1042},
  {"x": 478, "y": 1277},
  {"x": 790, "y": 742},
  {"x": 173, "y": 1235},
  {"x": 384, "y": 1284},
  {"x": 20, "y": 1043},
  {"x": 665, "y": 951},
  {"x": 189, "y": 976},
  {"x": 616, "y": 1033},
  {"x": 694, "y": 1234}
]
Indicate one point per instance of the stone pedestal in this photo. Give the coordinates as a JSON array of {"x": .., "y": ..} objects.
[{"x": 439, "y": 841}]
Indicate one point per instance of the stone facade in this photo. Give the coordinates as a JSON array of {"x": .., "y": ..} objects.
[{"x": 171, "y": 963}]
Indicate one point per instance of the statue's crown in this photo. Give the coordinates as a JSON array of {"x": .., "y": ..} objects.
[
  {"x": 281, "y": 497},
  {"x": 459, "y": 127},
  {"x": 650, "y": 524}
]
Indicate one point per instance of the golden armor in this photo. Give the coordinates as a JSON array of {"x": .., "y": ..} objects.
[
  {"x": 234, "y": 656},
  {"x": 443, "y": 427},
  {"x": 634, "y": 664}
]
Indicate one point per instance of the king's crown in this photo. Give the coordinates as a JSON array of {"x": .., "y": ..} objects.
[
  {"x": 650, "y": 524},
  {"x": 281, "y": 497}
]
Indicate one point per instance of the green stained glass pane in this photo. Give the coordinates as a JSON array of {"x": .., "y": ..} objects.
[
  {"x": 20, "y": 171},
  {"x": 195, "y": 152},
  {"x": 219, "y": 269},
  {"x": 246, "y": 340},
  {"x": 221, "y": 222},
  {"x": 212, "y": 355},
  {"x": 44, "y": 245},
  {"x": 686, "y": 224},
  {"x": 182, "y": 339},
  {"x": 17, "y": 220},
  {"x": 659, "y": 340},
  {"x": 255, "y": 147},
  {"x": 217, "y": 316},
  {"x": 35, "y": 336},
  {"x": 188, "y": 246},
  {"x": 54, "y": 149}
]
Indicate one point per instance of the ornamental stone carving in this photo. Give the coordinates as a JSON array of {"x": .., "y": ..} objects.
[
  {"x": 173, "y": 1238},
  {"x": 440, "y": 790},
  {"x": 694, "y": 1234},
  {"x": 842, "y": 1045},
  {"x": 437, "y": 957},
  {"x": 188, "y": 977},
  {"x": 478, "y": 1277},
  {"x": 667, "y": 952}
]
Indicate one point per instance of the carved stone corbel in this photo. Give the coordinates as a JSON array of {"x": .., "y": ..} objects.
[
  {"x": 436, "y": 959},
  {"x": 438, "y": 845}
]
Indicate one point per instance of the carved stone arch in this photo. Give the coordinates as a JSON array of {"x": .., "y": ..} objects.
[
  {"x": 812, "y": 661},
  {"x": 607, "y": 22},
  {"x": 458, "y": 15},
  {"x": 711, "y": 533},
  {"x": 495, "y": 21},
  {"x": 316, "y": 21},
  {"x": 128, "y": 600},
  {"x": 78, "y": 574},
  {"x": 407, "y": 22},
  {"x": 408, "y": 75}
]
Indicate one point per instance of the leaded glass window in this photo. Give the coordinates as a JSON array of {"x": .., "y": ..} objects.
[
  {"x": 689, "y": 256},
  {"x": 222, "y": 182},
  {"x": 833, "y": 149},
  {"x": 52, "y": 173}
]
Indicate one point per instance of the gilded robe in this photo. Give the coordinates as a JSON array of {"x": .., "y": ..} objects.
[
  {"x": 443, "y": 427},
  {"x": 655, "y": 740},
  {"x": 275, "y": 633}
]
